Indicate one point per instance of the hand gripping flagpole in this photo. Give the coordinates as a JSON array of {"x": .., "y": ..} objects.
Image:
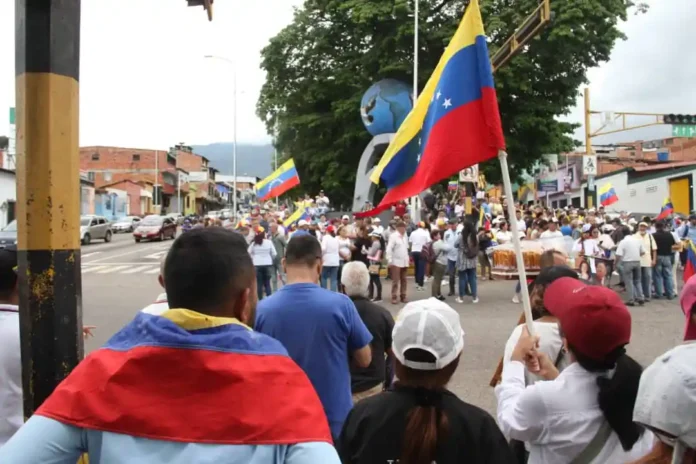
[{"x": 507, "y": 185}]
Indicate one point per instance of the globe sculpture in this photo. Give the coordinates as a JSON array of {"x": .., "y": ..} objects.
[{"x": 385, "y": 105}]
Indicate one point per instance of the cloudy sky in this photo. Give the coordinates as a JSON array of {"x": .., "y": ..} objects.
[{"x": 145, "y": 83}]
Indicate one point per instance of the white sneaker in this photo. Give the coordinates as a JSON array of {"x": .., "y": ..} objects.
[
  {"x": 476, "y": 300},
  {"x": 459, "y": 300},
  {"x": 516, "y": 299}
]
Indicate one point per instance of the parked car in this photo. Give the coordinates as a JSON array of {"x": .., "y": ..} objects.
[
  {"x": 94, "y": 227},
  {"x": 177, "y": 217},
  {"x": 155, "y": 227},
  {"x": 126, "y": 224},
  {"x": 8, "y": 235}
]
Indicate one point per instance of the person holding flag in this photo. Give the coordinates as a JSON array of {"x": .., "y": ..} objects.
[{"x": 666, "y": 211}]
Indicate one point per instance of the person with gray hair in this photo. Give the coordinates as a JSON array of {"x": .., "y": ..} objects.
[{"x": 371, "y": 380}]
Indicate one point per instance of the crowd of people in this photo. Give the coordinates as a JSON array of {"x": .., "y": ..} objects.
[{"x": 269, "y": 345}]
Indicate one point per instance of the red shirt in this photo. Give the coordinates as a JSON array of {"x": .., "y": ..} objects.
[{"x": 400, "y": 210}]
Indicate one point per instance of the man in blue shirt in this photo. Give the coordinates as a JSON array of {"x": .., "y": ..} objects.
[{"x": 321, "y": 330}]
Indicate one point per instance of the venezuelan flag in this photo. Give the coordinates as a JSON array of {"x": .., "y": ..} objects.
[
  {"x": 283, "y": 179},
  {"x": 299, "y": 214},
  {"x": 607, "y": 195},
  {"x": 454, "y": 124},
  {"x": 453, "y": 185},
  {"x": 667, "y": 209},
  {"x": 690, "y": 267},
  {"x": 186, "y": 377}
]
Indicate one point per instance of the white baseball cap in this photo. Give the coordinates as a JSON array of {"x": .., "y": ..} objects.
[
  {"x": 666, "y": 398},
  {"x": 345, "y": 216},
  {"x": 429, "y": 325},
  {"x": 302, "y": 222}
]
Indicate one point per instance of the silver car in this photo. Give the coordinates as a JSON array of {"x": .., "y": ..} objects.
[
  {"x": 126, "y": 224},
  {"x": 94, "y": 228}
]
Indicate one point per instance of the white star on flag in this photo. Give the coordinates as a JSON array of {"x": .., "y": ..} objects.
[
  {"x": 437, "y": 97},
  {"x": 448, "y": 103},
  {"x": 419, "y": 157}
]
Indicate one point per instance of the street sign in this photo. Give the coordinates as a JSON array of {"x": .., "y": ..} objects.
[
  {"x": 684, "y": 131},
  {"x": 590, "y": 183},
  {"x": 470, "y": 174},
  {"x": 589, "y": 165}
]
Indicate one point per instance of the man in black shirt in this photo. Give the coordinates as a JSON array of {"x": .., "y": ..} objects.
[
  {"x": 662, "y": 276},
  {"x": 369, "y": 381},
  {"x": 399, "y": 424}
]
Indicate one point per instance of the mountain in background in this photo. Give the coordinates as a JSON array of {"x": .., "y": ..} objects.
[{"x": 252, "y": 160}]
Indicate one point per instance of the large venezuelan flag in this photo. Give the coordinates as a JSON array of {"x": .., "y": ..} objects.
[
  {"x": 666, "y": 210},
  {"x": 607, "y": 195},
  {"x": 283, "y": 179},
  {"x": 454, "y": 124},
  {"x": 188, "y": 377},
  {"x": 690, "y": 266}
]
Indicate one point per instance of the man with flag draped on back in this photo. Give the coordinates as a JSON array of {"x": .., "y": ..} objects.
[
  {"x": 193, "y": 384},
  {"x": 454, "y": 124}
]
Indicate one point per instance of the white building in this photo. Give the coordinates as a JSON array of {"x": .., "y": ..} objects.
[
  {"x": 8, "y": 196},
  {"x": 644, "y": 189}
]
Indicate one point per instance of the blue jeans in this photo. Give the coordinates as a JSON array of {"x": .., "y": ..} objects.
[
  {"x": 419, "y": 265},
  {"x": 329, "y": 273},
  {"x": 646, "y": 282},
  {"x": 663, "y": 276},
  {"x": 467, "y": 277},
  {"x": 263, "y": 281}
]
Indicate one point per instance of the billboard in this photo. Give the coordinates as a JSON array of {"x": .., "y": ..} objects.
[{"x": 197, "y": 176}]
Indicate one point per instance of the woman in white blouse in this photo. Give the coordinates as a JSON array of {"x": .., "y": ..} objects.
[
  {"x": 344, "y": 244},
  {"x": 503, "y": 235},
  {"x": 330, "y": 259},
  {"x": 262, "y": 254}
]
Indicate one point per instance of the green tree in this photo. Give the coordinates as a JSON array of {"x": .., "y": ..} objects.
[{"x": 319, "y": 66}]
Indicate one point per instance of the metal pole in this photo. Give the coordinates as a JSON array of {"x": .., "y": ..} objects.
[
  {"x": 588, "y": 137},
  {"x": 155, "y": 202},
  {"x": 415, "y": 209},
  {"x": 234, "y": 144},
  {"x": 47, "y": 64},
  {"x": 507, "y": 184},
  {"x": 275, "y": 158}
]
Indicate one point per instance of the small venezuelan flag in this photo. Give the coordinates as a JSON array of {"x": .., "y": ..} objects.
[
  {"x": 690, "y": 266},
  {"x": 282, "y": 180},
  {"x": 607, "y": 195},
  {"x": 298, "y": 215},
  {"x": 454, "y": 124},
  {"x": 453, "y": 185},
  {"x": 667, "y": 209}
]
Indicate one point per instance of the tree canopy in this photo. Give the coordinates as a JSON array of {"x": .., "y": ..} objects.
[{"x": 319, "y": 66}]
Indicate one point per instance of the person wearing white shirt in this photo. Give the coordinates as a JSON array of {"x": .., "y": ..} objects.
[
  {"x": 330, "y": 259},
  {"x": 552, "y": 231},
  {"x": 647, "y": 261},
  {"x": 450, "y": 239},
  {"x": 419, "y": 238},
  {"x": 377, "y": 226},
  {"x": 562, "y": 419},
  {"x": 521, "y": 224},
  {"x": 628, "y": 255},
  {"x": 262, "y": 253},
  {"x": 503, "y": 235},
  {"x": 397, "y": 259}
]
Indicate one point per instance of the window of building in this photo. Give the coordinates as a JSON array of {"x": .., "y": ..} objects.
[
  {"x": 95, "y": 156},
  {"x": 90, "y": 176},
  {"x": 136, "y": 157},
  {"x": 107, "y": 177}
]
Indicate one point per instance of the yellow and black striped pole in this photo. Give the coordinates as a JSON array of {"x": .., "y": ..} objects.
[{"x": 47, "y": 64}]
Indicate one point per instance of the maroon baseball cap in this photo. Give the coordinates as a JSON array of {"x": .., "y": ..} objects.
[{"x": 594, "y": 319}]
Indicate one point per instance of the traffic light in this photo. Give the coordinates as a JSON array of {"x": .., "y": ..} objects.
[
  {"x": 206, "y": 4},
  {"x": 679, "y": 119}
]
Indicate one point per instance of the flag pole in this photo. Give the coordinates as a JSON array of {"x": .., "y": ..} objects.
[
  {"x": 507, "y": 185},
  {"x": 415, "y": 210}
]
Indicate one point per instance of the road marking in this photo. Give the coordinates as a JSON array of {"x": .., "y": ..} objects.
[
  {"x": 137, "y": 269},
  {"x": 91, "y": 254},
  {"x": 91, "y": 269},
  {"x": 157, "y": 255},
  {"x": 109, "y": 270},
  {"x": 153, "y": 271},
  {"x": 137, "y": 249}
]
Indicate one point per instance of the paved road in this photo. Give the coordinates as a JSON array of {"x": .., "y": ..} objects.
[{"x": 120, "y": 278}]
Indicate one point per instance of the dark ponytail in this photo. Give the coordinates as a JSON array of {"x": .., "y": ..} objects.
[
  {"x": 426, "y": 424},
  {"x": 617, "y": 395}
]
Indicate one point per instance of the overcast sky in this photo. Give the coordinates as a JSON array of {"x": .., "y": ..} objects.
[{"x": 144, "y": 82}]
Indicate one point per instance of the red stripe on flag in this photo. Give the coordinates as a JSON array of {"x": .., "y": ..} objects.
[
  {"x": 282, "y": 188},
  {"x": 192, "y": 396},
  {"x": 459, "y": 140}
]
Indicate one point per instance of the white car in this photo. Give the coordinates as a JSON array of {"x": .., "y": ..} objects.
[
  {"x": 126, "y": 224},
  {"x": 94, "y": 227}
]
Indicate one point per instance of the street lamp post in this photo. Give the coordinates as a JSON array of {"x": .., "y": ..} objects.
[{"x": 234, "y": 128}]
